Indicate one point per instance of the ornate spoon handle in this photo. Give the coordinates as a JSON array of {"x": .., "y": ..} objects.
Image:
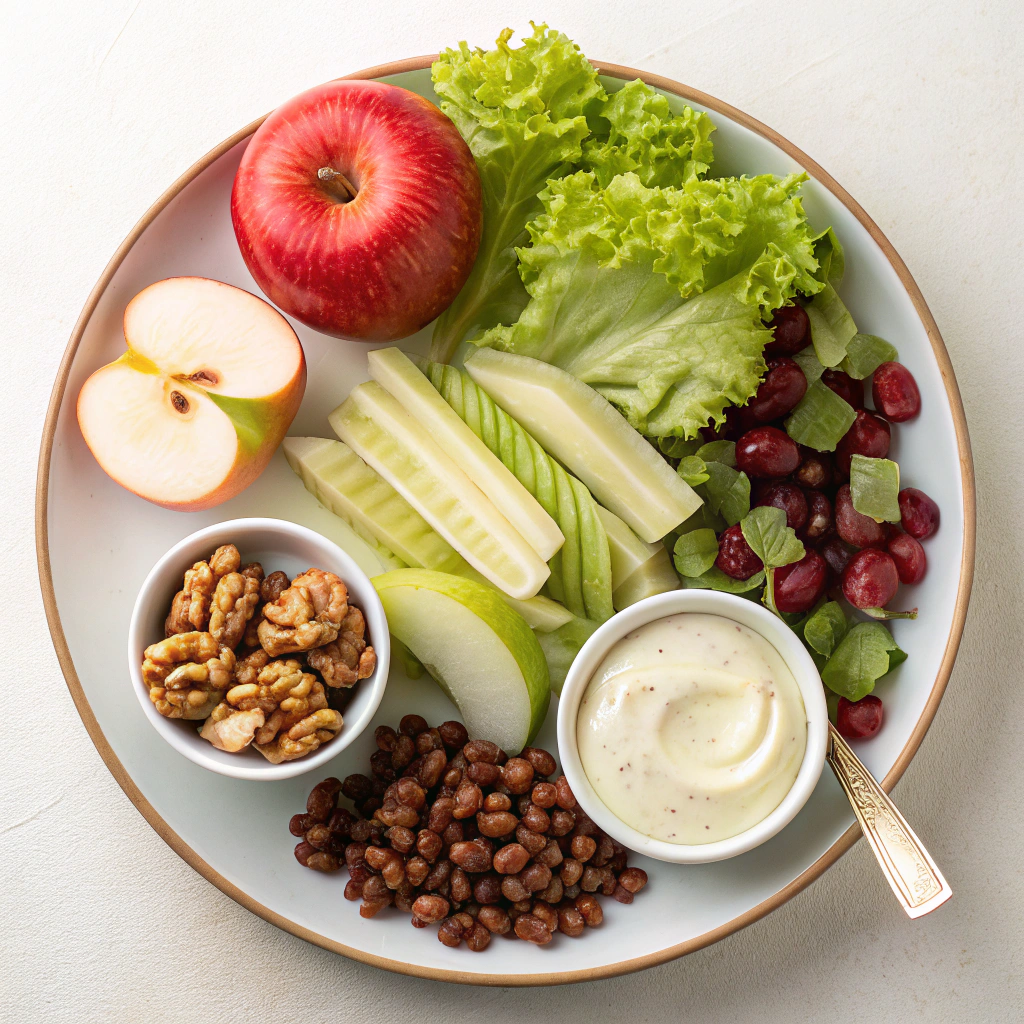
[{"x": 916, "y": 881}]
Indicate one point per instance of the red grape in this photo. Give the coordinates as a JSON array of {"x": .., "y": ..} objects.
[
  {"x": 895, "y": 393},
  {"x": 868, "y": 436},
  {"x": 791, "y": 331},
  {"x": 790, "y": 499},
  {"x": 766, "y": 452},
  {"x": 911, "y": 561},
  {"x": 848, "y": 388},
  {"x": 837, "y": 553},
  {"x": 799, "y": 584},
  {"x": 815, "y": 471},
  {"x": 819, "y": 517},
  {"x": 870, "y": 579},
  {"x": 783, "y": 386},
  {"x": 735, "y": 556},
  {"x": 919, "y": 515},
  {"x": 855, "y": 528},
  {"x": 859, "y": 720}
]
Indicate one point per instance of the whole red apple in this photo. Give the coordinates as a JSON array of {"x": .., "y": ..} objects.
[{"x": 357, "y": 209}]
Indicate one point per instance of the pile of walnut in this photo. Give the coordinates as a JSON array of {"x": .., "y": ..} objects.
[
  {"x": 439, "y": 839},
  {"x": 249, "y": 655}
]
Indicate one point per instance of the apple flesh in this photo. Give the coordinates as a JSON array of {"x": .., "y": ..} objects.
[
  {"x": 357, "y": 210},
  {"x": 192, "y": 412}
]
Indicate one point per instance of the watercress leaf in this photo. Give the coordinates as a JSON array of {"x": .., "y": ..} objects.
[
  {"x": 832, "y": 326},
  {"x": 875, "y": 488},
  {"x": 704, "y": 517},
  {"x": 863, "y": 656},
  {"x": 719, "y": 451},
  {"x": 825, "y": 629},
  {"x": 695, "y": 552},
  {"x": 692, "y": 469},
  {"x": 810, "y": 364},
  {"x": 677, "y": 447},
  {"x": 726, "y": 492},
  {"x": 638, "y": 132},
  {"x": 715, "y": 579},
  {"x": 820, "y": 419},
  {"x": 776, "y": 544},
  {"x": 865, "y": 354}
]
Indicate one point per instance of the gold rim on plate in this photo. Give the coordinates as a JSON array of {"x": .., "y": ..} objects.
[{"x": 845, "y": 841}]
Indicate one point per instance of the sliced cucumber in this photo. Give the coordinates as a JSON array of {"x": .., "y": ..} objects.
[
  {"x": 628, "y": 551},
  {"x": 400, "y": 377},
  {"x": 581, "y": 575},
  {"x": 655, "y": 576},
  {"x": 480, "y": 652},
  {"x": 358, "y": 494},
  {"x": 378, "y": 429},
  {"x": 585, "y": 432}
]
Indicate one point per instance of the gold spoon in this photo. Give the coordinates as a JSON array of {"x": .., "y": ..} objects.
[{"x": 906, "y": 864}]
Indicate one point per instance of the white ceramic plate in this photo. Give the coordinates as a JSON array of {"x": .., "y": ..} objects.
[{"x": 97, "y": 542}]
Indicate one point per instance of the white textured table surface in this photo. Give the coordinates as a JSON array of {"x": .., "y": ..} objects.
[{"x": 915, "y": 107}]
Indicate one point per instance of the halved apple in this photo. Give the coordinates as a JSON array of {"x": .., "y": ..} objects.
[{"x": 192, "y": 412}]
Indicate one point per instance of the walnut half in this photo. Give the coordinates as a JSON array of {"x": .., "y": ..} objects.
[
  {"x": 306, "y": 615},
  {"x": 343, "y": 662},
  {"x": 188, "y": 674},
  {"x": 190, "y": 609}
]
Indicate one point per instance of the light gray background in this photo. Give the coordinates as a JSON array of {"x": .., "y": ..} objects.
[{"x": 914, "y": 107}]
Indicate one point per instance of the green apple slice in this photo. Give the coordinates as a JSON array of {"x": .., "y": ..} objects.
[
  {"x": 400, "y": 377},
  {"x": 481, "y": 652},
  {"x": 381, "y": 432},
  {"x": 590, "y": 437},
  {"x": 341, "y": 481}
]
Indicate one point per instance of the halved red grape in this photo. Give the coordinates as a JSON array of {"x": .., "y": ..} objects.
[
  {"x": 815, "y": 469},
  {"x": 895, "y": 392},
  {"x": 735, "y": 556},
  {"x": 790, "y": 499},
  {"x": 819, "y": 517},
  {"x": 868, "y": 436},
  {"x": 919, "y": 515},
  {"x": 908, "y": 554},
  {"x": 855, "y": 528},
  {"x": 859, "y": 720},
  {"x": 870, "y": 579},
  {"x": 791, "y": 330},
  {"x": 767, "y": 452},
  {"x": 799, "y": 584},
  {"x": 783, "y": 386},
  {"x": 848, "y": 388}
]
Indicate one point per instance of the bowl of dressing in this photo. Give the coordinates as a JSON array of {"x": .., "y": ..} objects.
[{"x": 692, "y": 726}]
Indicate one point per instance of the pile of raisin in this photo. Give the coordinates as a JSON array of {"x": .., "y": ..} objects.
[{"x": 458, "y": 834}]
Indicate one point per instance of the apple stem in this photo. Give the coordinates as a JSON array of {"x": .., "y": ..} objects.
[{"x": 337, "y": 184}]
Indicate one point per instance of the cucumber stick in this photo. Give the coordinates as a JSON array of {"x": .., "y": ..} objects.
[
  {"x": 383, "y": 434},
  {"x": 586, "y": 433},
  {"x": 341, "y": 481},
  {"x": 400, "y": 377},
  {"x": 581, "y": 575},
  {"x": 639, "y": 569}
]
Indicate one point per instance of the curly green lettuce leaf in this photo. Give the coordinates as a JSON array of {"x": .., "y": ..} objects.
[
  {"x": 644, "y": 136},
  {"x": 521, "y": 111},
  {"x": 655, "y": 296}
]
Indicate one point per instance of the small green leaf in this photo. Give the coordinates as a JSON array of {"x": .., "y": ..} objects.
[
  {"x": 703, "y": 517},
  {"x": 692, "y": 469},
  {"x": 719, "y": 451},
  {"x": 695, "y": 552},
  {"x": 677, "y": 447},
  {"x": 775, "y": 543},
  {"x": 875, "y": 488},
  {"x": 727, "y": 492},
  {"x": 821, "y": 419},
  {"x": 865, "y": 354},
  {"x": 864, "y": 655},
  {"x": 825, "y": 629},
  {"x": 831, "y": 259},
  {"x": 715, "y": 579},
  {"x": 810, "y": 364},
  {"x": 832, "y": 327}
]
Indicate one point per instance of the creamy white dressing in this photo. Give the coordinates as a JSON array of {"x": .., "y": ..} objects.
[{"x": 692, "y": 729}]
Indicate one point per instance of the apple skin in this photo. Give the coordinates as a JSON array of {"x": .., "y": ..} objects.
[
  {"x": 260, "y": 423},
  {"x": 386, "y": 263}
]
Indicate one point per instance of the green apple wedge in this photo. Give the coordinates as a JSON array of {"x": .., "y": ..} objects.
[{"x": 478, "y": 650}]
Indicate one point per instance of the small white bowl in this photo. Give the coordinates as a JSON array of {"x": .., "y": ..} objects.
[
  {"x": 276, "y": 544},
  {"x": 709, "y": 602}
]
